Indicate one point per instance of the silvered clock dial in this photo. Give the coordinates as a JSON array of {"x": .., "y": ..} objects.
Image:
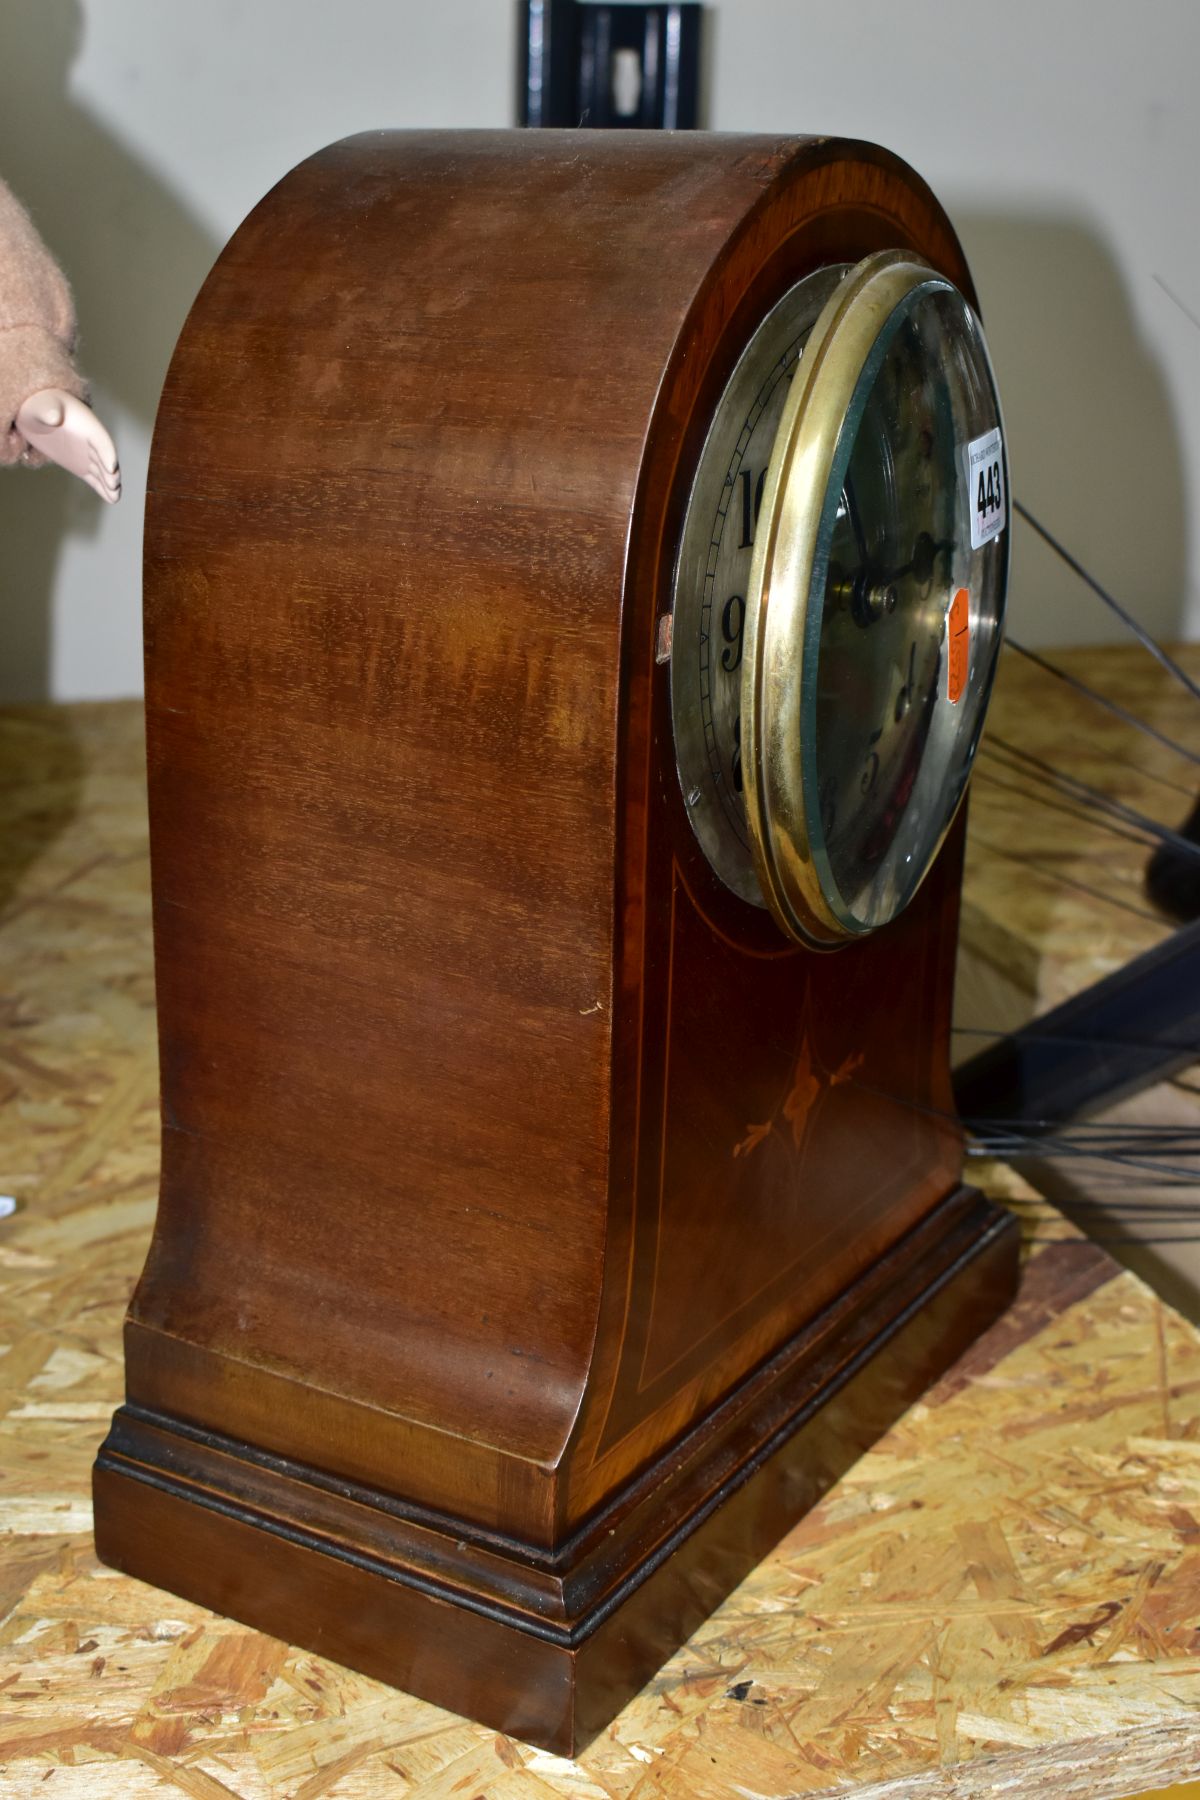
[
  {"x": 839, "y": 595},
  {"x": 712, "y": 580}
]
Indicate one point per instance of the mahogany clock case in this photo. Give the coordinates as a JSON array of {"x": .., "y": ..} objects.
[{"x": 540, "y": 1230}]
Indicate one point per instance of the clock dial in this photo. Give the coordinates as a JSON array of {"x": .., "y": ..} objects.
[
  {"x": 875, "y": 601},
  {"x": 712, "y": 578},
  {"x": 838, "y": 596}
]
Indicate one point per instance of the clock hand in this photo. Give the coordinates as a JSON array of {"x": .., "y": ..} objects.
[
  {"x": 855, "y": 518},
  {"x": 867, "y": 596},
  {"x": 871, "y": 593},
  {"x": 924, "y": 556}
]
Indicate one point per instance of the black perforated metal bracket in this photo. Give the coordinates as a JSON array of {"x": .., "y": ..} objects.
[{"x": 624, "y": 66}]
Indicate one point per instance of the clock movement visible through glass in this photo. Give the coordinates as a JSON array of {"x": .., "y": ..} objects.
[{"x": 828, "y": 698}]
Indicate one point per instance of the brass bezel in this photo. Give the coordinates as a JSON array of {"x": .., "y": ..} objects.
[
  {"x": 779, "y": 589},
  {"x": 712, "y": 809}
]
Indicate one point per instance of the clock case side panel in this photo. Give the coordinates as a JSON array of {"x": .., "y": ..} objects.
[
  {"x": 719, "y": 1020},
  {"x": 386, "y": 533},
  {"x": 505, "y": 1566}
]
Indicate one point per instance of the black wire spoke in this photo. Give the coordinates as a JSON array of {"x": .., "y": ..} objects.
[
  {"x": 1095, "y": 818},
  {"x": 1172, "y": 295},
  {"x": 993, "y": 1143},
  {"x": 1121, "y": 712},
  {"x": 1052, "y": 874},
  {"x": 1046, "y": 1150},
  {"x": 1139, "y": 631},
  {"x": 1005, "y": 1145},
  {"x": 1015, "y": 1139},
  {"x": 1089, "y": 795}
]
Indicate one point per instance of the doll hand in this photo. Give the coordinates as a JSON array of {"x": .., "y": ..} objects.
[{"x": 69, "y": 433}]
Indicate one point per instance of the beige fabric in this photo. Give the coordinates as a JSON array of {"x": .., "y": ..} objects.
[{"x": 37, "y": 326}]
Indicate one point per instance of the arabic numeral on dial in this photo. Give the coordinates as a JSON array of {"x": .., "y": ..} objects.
[
  {"x": 733, "y": 620},
  {"x": 735, "y": 768},
  {"x": 752, "y": 493},
  {"x": 990, "y": 492}
]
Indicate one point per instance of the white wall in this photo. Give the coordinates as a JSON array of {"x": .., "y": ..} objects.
[{"x": 1062, "y": 136}]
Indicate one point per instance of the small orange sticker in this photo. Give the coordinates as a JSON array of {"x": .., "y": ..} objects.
[{"x": 958, "y": 637}]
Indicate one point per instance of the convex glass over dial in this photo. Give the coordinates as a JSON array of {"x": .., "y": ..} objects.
[{"x": 838, "y": 596}]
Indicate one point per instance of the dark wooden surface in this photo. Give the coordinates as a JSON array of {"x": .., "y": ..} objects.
[
  {"x": 501, "y": 1146},
  {"x": 550, "y": 1652}
]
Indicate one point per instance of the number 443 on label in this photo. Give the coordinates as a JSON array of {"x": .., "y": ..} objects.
[{"x": 989, "y": 509}]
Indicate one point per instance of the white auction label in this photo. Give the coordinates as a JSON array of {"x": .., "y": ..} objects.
[{"x": 985, "y": 476}]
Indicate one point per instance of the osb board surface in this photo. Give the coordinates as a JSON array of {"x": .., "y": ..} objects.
[
  {"x": 1054, "y": 900},
  {"x": 1053, "y": 896},
  {"x": 1004, "y": 1596}
]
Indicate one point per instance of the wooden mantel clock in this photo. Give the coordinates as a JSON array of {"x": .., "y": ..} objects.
[{"x": 574, "y": 566}]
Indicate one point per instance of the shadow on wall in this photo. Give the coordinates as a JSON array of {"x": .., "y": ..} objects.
[
  {"x": 1092, "y": 430},
  {"x": 135, "y": 257}
]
